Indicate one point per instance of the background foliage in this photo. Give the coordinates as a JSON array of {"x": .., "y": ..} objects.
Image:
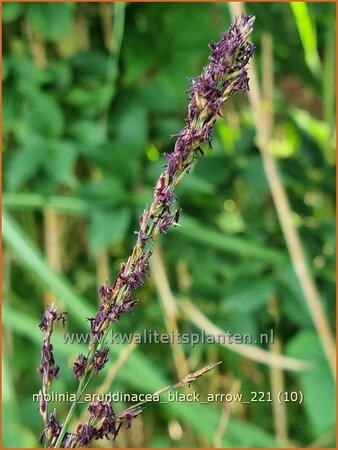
[{"x": 91, "y": 94}]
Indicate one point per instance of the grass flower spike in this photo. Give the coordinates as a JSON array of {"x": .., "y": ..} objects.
[{"x": 225, "y": 75}]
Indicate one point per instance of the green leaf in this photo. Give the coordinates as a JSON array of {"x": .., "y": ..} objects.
[
  {"x": 194, "y": 231},
  {"x": 108, "y": 227},
  {"x": 25, "y": 162},
  {"x": 79, "y": 97},
  {"x": 28, "y": 76},
  {"x": 44, "y": 115},
  {"x": 317, "y": 385},
  {"x": 103, "y": 192},
  {"x": 255, "y": 180},
  {"x": 5, "y": 68},
  {"x": 51, "y": 20},
  {"x": 10, "y": 113},
  {"x": 12, "y": 419},
  {"x": 12, "y": 11},
  {"x": 91, "y": 101},
  {"x": 307, "y": 32},
  {"x": 297, "y": 304},
  {"x": 67, "y": 205},
  {"x": 88, "y": 135},
  {"x": 318, "y": 130},
  {"x": 214, "y": 169},
  {"x": 149, "y": 94},
  {"x": 329, "y": 73},
  {"x": 131, "y": 129},
  {"x": 196, "y": 185},
  {"x": 31, "y": 259},
  {"x": 60, "y": 163},
  {"x": 8, "y": 392},
  {"x": 160, "y": 442},
  {"x": 248, "y": 295},
  {"x": 91, "y": 65},
  {"x": 61, "y": 75},
  {"x": 135, "y": 67}
]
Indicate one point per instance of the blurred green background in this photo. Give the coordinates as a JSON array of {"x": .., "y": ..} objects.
[{"x": 91, "y": 94}]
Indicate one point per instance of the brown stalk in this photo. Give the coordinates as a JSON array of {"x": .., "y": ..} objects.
[
  {"x": 52, "y": 244},
  {"x": 226, "y": 414},
  {"x": 169, "y": 309},
  {"x": 278, "y": 381},
  {"x": 249, "y": 351}
]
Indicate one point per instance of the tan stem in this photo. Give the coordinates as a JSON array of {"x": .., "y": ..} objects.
[
  {"x": 102, "y": 266},
  {"x": 52, "y": 247},
  {"x": 226, "y": 415},
  {"x": 249, "y": 351},
  {"x": 106, "y": 15},
  {"x": 169, "y": 308},
  {"x": 277, "y": 380},
  {"x": 37, "y": 47}
]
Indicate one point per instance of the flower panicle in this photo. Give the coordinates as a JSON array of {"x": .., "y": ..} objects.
[
  {"x": 52, "y": 431},
  {"x": 225, "y": 75},
  {"x": 80, "y": 366},
  {"x": 103, "y": 423}
]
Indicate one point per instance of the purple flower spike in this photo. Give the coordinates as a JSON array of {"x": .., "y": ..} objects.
[
  {"x": 225, "y": 75},
  {"x": 51, "y": 431},
  {"x": 85, "y": 434},
  {"x": 103, "y": 411},
  {"x": 163, "y": 192},
  {"x": 128, "y": 415},
  {"x": 48, "y": 318},
  {"x": 101, "y": 423},
  {"x": 105, "y": 292},
  {"x": 80, "y": 366},
  {"x": 99, "y": 359},
  {"x": 47, "y": 368}
]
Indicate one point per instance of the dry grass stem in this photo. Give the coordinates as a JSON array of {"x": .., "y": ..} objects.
[
  {"x": 169, "y": 308},
  {"x": 196, "y": 316}
]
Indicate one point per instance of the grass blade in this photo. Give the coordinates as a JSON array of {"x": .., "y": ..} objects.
[{"x": 307, "y": 33}]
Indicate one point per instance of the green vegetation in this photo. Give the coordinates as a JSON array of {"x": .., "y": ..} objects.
[{"x": 91, "y": 94}]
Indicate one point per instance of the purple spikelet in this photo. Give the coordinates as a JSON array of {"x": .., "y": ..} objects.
[{"x": 48, "y": 368}]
